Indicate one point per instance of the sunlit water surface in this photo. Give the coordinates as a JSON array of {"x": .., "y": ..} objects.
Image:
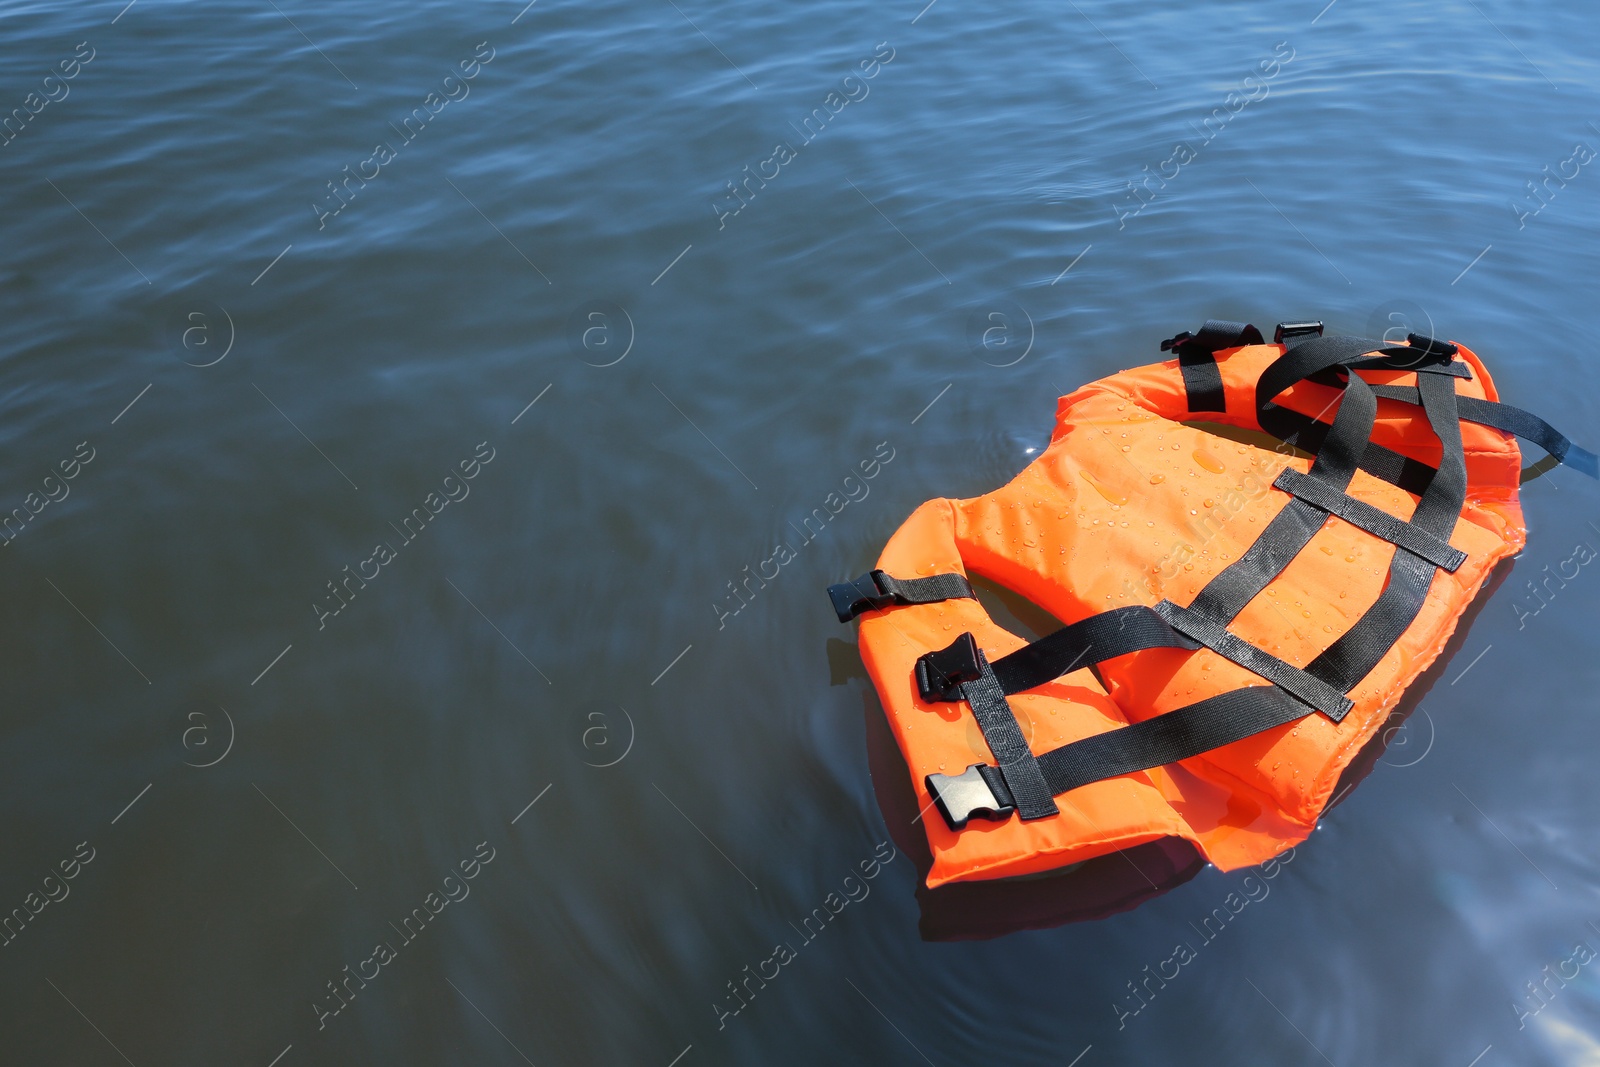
[{"x": 329, "y": 296}]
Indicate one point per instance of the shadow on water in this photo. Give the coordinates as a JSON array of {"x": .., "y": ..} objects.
[{"x": 1096, "y": 888}]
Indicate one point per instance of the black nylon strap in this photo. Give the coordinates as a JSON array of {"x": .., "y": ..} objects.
[
  {"x": 1178, "y": 735},
  {"x": 1409, "y": 474},
  {"x": 1358, "y": 650},
  {"x": 1307, "y": 433},
  {"x": 1316, "y": 355},
  {"x": 1375, "y": 521},
  {"x": 1320, "y": 353},
  {"x": 1093, "y": 640},
  {"x": 933, "y": 588},
  {"x": 1510, "y": 419},
  {"x": 875, "y": 589},
  {"x": 1298, "y": 683},
  {"x": 1227, "y": 593},
  {"x": 1293, "y": 527},
  {"x": 1202, "y": 379},
  {"x": 999, "y": 725},
  {"x": 1530, "y": 427},
  {"x": 1410, "y": 362}
]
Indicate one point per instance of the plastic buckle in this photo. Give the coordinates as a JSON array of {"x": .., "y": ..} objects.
[
  {"x": 940, "y": 674},
  {"x": 968, "y": 795},
  {"x": 853, "y": 598},
  {"x": 1444, "y": 350},
  {"x": 1289, "y": 330},
  {"x": 1173, "y": 342}
]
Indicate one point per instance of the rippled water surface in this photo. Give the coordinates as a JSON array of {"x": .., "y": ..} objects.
[{"x": 275, "y": 278}]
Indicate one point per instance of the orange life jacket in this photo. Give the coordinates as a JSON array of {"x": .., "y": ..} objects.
[{"x": 1242, "y": 617}]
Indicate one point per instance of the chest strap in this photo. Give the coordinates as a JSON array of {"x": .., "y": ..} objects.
[{"x": 875, "y": 590}]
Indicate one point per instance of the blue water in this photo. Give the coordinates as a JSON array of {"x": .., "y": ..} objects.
[{"x": 257, "y": 364}]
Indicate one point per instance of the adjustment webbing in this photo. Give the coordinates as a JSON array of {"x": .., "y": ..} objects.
[
  {"x": 1319, "y": 354},
  {"x": 1202, "y": 378},
  {"x": 1000, "y": 729},
  {"x": 1358, "y": 650},
  {"x": 1178, "y": 735},
  {"x": 1375, "y": 521},
  {"x": 1409, "y": 474},
  {"x": 1513, "y": 420},
  {"x": 1530, "y": 427},
  {"x": 1237, "y": 584},
  {"x": 1093, "y": 640},
  {"x": 875, "y": 589},
  {"x": 1155, "y": 742},
  {"x": 1307, "y": 433},
  {"x": 1291, "y": 679},
  {"x": 1314, "y": 354}
]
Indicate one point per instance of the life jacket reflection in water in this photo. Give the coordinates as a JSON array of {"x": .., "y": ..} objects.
[{"x": 1242, "y": 617}]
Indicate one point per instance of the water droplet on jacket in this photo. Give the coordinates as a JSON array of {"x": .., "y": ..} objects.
[
  {"x": 1105, "y": 491},
  {"x": 1208, "y": 502},
  {"x": 1208, "y": 461},
  {"x": 1157, "y": 479},
  {"x": 1349, "y": 559}
]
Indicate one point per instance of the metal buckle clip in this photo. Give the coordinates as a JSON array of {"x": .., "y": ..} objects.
[
  {"x": 940, "y": 674},
  {"x": 864, "y": 594},
  {"x": 968, "y": 795}
]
